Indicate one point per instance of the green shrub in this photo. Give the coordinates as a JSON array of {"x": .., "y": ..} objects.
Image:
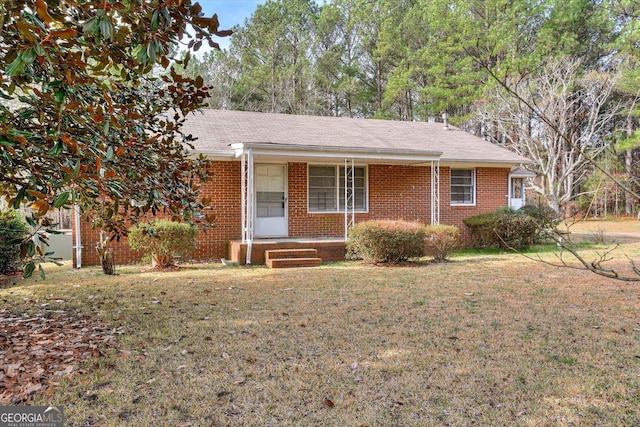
[
  {"x": 12, "y": 230},
  {"x": 440, "y": 241},
  {"x": 386, "y": 241},
  {"x": 546, "y": 218},
  {"x": 163, "y": 240},
  {"x": 503, "y": 227}
]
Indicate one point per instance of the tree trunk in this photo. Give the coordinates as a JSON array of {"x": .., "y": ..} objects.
[
  {"x": 629, "y": 200},
  {"x": 106, "y": 255}
]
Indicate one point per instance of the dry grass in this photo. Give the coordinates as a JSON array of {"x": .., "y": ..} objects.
[
  {"x": 621, "y": 226},
  {"x": 483, "y": 340}
]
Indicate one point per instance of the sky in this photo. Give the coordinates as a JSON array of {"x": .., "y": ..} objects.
[{"x": 230, "y": 13}]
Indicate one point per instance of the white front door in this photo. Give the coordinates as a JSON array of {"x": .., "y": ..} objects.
[
  {"x": 516, "y": 192},
  {"x": 271, "y": 201}
]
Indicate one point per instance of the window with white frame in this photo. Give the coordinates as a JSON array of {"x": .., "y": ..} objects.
[
  {"x": 463, "y": 186},
  {"x": 326, "y": 188}
]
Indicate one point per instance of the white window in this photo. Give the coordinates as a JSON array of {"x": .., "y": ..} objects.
[
  {"x": 463, "y": 186},
  {"x": 326, "y": 189}
]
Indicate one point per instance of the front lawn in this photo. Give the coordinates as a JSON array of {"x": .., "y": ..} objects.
[{"x": 483, "y": 340}]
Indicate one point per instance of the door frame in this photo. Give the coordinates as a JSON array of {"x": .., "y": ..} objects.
[{"x": 256, "y": 229}]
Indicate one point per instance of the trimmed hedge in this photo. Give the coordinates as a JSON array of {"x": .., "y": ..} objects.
[
  {"x": 381, "y": 241},
  {"x": 441, "y": 241},
  {"x": 163, "y": 240},
  {"x": 12, "y": 230},
  {"x": 504, "y": 228}
]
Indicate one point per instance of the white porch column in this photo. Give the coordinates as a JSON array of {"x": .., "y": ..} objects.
[
  {"x": 435, "y": 192},
  {"x": 249, "y": 208},
  {"x": 349, "y": 196},
  {"x": 243, "y": 194},
  {"x": 78, "y": 242}
]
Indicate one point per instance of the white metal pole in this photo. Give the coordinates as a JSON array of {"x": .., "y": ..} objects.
[
  {"x": 250, "y": 207},
  {"x": 243, "y": 191},
  {"x": 76, "y": 214}
]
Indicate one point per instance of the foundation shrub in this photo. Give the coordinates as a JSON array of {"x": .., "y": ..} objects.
[
  {"x": 503, "y": 228},
  {"x": 546, "y": 219},
  {"x": 163, "y": 240},
  {"x": 380, "y": 241},
  {"x": 13, "y": 230},
  {"x": 441, "y": 241}
]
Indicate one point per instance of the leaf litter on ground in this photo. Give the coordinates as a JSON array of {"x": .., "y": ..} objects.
[{"x": 37, "y": 351}]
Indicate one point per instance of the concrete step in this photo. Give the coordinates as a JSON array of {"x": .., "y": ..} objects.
[
  {"x": 290, "y": 253},
  {"x": 293, "y": 262}
]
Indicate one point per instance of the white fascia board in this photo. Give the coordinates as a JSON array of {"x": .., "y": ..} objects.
[
  {"x": 323, "y": 152},
  {"x": 480, "y": 163},
  {"x": 213, "y": 154}
]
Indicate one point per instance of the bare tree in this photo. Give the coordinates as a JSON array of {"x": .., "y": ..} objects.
[{"x": 582, "y": 112}]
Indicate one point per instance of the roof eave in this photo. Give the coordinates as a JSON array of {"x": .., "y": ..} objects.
[{"x": 313, "y": 151}]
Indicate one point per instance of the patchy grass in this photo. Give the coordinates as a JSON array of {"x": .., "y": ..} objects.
[{"x": 483, "y": 340}]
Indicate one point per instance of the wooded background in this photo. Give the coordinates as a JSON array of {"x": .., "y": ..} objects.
[{"x": 555, "y": 80}]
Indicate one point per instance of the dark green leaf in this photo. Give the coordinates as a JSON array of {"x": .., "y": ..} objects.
[
  {"x": 28, "y": 269},
  {"x": 60, "y": 95},
  {"x": 42, "y": 276},
  {"x": 106, "y": 28},
  {"x": 15, "y": 68},
  {"x": 154, "y": 20},
  {"x": 61, "y": 200},
  {"x": 30, "y": 221},
  {"x": 28, "y": 56},
  {"x": 31, "y": 248}
]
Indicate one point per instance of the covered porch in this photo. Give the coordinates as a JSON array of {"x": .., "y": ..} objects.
[{"x": 267, "y": 210}]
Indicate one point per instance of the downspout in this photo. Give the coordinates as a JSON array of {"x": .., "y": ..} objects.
[{"x": 78, "y": 247}]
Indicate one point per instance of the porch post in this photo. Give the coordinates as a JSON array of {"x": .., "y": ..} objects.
[
  {"x": 243, "y": 193},
  {"x": 435, "y": 192},
  {"x": 249, "y": 208},
  {"x": 78, "y": 243},
  {"x": 349, "y": 196}
]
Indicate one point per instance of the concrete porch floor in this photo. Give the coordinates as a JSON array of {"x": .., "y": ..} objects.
[{"x": 329, "y": 249}]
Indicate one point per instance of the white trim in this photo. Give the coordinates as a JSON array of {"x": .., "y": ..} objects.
[
  {"x": 337, "y": 168},
  {"x": 323, "y": 152},
  {"x": 510, "y": 192},
  {"x": 474, "y": 185},
  {"x": 249, "y": 194}
]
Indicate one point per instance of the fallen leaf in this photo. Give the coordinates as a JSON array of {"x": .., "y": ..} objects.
[{"x": 328, "y": 403}]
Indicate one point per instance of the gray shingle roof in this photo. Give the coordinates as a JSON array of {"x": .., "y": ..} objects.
[{"x": 216, "y": 130}]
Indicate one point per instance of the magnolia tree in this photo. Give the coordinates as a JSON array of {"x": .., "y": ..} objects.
[{"x": 85, "y": 121}]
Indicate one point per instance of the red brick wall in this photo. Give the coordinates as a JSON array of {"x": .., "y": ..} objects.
[
  {"x": 492, "y": 192},
  {"x": 395, "y": 192},
  {"x": 224, "y": 191}
]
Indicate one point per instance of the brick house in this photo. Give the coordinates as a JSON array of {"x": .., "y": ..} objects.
[{"x": 283, "y": 181}]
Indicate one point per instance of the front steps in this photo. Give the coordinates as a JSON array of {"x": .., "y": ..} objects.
[{"x": 288, "y": 258}]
